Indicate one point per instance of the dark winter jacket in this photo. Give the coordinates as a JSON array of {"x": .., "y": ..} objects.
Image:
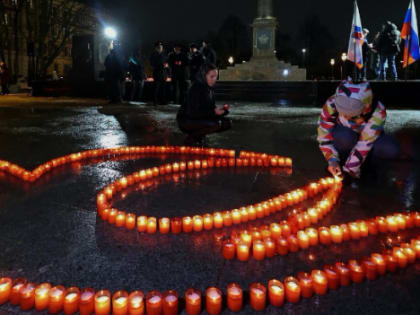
[
  {"x": 389, "y": 40},
  {"x": 158, "y": 61},
  {"x": 136, "y": 68},
  {"x": 209, "y": 55},
  {"x": 200, "y": 103},
  {"x": 196, "y": 60},
  {"x": 178, "y": 64},
  {"x": 113, "y": 68}
]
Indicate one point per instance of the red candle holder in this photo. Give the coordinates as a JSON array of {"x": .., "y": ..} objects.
[
  {"x": 234, "y": 297},
  {"x": 257, "y": 296}
]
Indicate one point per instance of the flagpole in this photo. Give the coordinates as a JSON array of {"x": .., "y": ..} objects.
[
  {"x": 408, "y": 44},
  {"x": 355, "y": 45}
]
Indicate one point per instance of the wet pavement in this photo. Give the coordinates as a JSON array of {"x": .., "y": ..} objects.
[{"x": 50, "y": 231}]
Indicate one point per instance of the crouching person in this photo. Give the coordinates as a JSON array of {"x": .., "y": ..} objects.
[
  {"x": 199, "y": 116},
  {"x": 351, "y": 128}
]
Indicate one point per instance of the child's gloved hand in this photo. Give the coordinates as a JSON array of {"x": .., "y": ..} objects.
[{"x": 335, "y": 170}]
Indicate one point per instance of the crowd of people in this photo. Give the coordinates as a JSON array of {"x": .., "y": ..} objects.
[
  {"x": 379, "y": 55},
  {"x": 181, "y": 66}
]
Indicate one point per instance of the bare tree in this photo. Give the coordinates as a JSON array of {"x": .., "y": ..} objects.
[{"x": 49, "y": 26}]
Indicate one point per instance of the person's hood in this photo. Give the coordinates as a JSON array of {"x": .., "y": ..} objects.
[{"x": 351, "y": 98}]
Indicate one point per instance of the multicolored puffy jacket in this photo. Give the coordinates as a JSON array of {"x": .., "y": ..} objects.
[{"x": 369, "y": 125}]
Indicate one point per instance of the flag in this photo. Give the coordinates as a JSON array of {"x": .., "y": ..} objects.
[
  {"x": 356, "y": 39},
  {"x": 410, "y": 34}
]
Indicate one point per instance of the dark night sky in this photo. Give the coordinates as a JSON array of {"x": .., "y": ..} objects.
[{"x": 150, "y": 20}]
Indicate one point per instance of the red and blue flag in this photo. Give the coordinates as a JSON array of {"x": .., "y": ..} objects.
[
  {"x": 410, "y": 34},
  {"x": 355, "y": 53}
]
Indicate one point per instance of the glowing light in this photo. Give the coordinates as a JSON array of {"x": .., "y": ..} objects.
[{"x": 110, "y": 32}]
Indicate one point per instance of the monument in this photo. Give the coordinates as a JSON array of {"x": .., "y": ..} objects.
[{"x": 264, "y": 66}]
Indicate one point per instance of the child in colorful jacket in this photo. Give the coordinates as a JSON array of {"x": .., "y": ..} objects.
[{"x": 351, "y": 126}]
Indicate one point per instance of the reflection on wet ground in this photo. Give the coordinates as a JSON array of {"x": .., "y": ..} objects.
[{"x": 50, "y": 231}]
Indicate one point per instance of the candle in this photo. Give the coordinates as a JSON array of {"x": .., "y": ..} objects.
[
  {"x": 120, "y": 303},
  {"x": 5, "y": 289},
  {"x": 208, "y": 221},
  {"x": 292, "y": 289},
  {"x": 164, "y": 224},
  {"x": 306, "y": 284},
  {"x": 344, "y": 273},
  {"x": 409, "y": 252},
  {"x": 142, "y": 223},
  {"x": 332, "y": 277},
  {"x": 151, "y": 225},
  {"x": 246, "y": 238},
  {"x": 372, "y": 227},
  {"x": 354, "y": 230},
  {"x": 193, "y": 302},
  {"x": 258, "y": 250},
  {"x": 213, "y": 301},
  {"x": 27, "y": 296},
  {"x": 336, "y": 234},
  {"x": 370, "y": 268},
  {"x": 270, "y": 247},
  {"x": 71, "y": 301},
  {"x": 380, "y": 263},
  {"x": 312, "y": 235},
  {"x": 112, "y": 216},
  {"x": 120, "y": 219},
  {"x": 391, "y": 262},
  {"x": 170, "y": 302},
  {"x": 382, "y": 224},
  {"x": 276, "y": 292},
  {"x": 242, "y": 251},
  {"x": 218, "y": 220},
  {"x": 392, "y": 224},
  {"x": 198, "y": 223},
  {"x": 136, "y": 303},
  {"x": 154, "y": 303},
  {"x": 257, "y": 296},
  {"x": 320, "y": 282},
  {"x": 87, "y": 303},
  {"x": 227, "y": 218},
  {"x": 244, "y": 215},
  {"x": 130, "y": 221},
  {"x": 234, "y": 297},
  {"x": 252, "y": 214},
  {"x": 363, "y": 228},
  {"x": 17, "y": 285},
  {"x": 102, "y": 302},
  {"x": 56, "y": 299},
  {"x": 275, "y": 230},
  {"x": 293, "y": 242},
  {"x": 324, "y": 235},
  {"x": 176, "y": 225},
  {"x": 400, "y": 257},
  {"x": 415, "y": 245},
  {"x": 187, "y": 224},
  {"x": 236, "y": 216},
  {"x": 356, "y": 271},
  {"x": 346, "y": 232},
  {"x": 303, "y": 239},
  {"x": 229, "y": 250},
  {"x": 282, "y": 246}
]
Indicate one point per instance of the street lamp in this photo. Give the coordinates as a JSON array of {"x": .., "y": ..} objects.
[
  {"x": 304, "y": 56},
  {"x": 332, "y": 63},
  {"x": 231, "y": 60},
  {"x": 344, "y": 59},
  {"x": 110, "y": 33}
]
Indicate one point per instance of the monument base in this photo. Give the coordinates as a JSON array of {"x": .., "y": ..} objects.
[{"x": 263, "y": 69}]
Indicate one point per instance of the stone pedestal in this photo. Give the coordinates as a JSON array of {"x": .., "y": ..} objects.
[{"x": 264, "y": 66}]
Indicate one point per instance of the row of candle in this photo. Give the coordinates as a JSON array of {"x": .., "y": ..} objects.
[
  {"x": 292, "y": 289},
  {"x": 278, "y": 240},
  {"x": 31, "y": 176},
  {"x": 198, "y": 223}
]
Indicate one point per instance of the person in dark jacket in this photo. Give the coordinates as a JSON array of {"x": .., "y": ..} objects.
[
  {"x": 208, "y": 52},
  {"x": 4, "y": 78},
  {"x": 113, "y": 75},
  {"x": 136, "y": 69},
  {"x": 366, "y": 52},
  {"x": 196, "y": 60},
  {"x": 178, "y": 62},
  {"x": 159, "y": 63},
  {"x": 199, "y": 116},
  {"x": 388, "y": 47}
]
